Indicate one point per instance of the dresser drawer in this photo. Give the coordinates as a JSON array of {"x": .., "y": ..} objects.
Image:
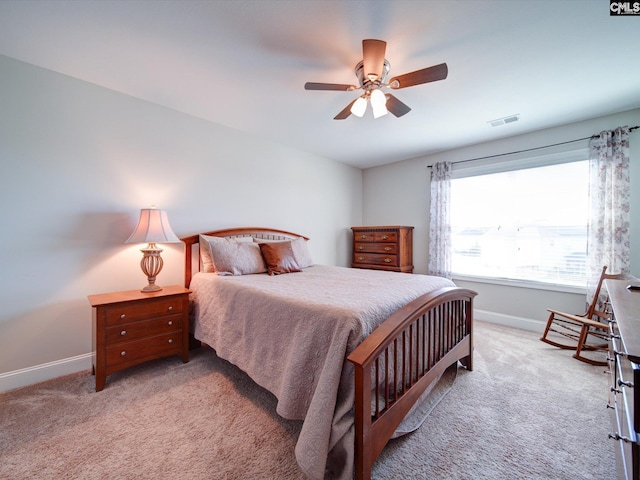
[
  {"x": 389, "y": 249},
  {"x": 376, "y": 237},
  {"x": 138, "y": 350},
  {"x": 376, "y": 259},
  {"x": 145, "y": 328},
  {"x": 126, "y": 313}
]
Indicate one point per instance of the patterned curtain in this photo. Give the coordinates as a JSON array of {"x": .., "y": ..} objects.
[
  {"x": 609, "y": 191},
  {"x": 439, "y": 220}
]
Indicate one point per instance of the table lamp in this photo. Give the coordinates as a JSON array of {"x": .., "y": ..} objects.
[{"x": 153, "y": 227}]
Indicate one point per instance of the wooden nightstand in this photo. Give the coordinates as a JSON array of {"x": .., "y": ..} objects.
[{"x": 132, "y": 327}]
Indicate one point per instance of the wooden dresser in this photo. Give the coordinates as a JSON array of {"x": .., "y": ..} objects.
[
  {"x": 383, "y": 248},
  {"x": 624, "y": 355},
  {"x": 132, "y": 327}
]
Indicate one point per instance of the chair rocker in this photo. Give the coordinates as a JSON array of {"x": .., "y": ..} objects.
[{"x": 586, "y": 332}]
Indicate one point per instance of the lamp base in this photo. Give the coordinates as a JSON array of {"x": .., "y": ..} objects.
[
  {"x": 151, "y": 265},
  {"x": 152, "y": 287}
]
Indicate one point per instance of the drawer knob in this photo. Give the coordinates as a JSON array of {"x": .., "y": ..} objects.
[
  {"x": 360, "y": 247},
  {"x": 361, "y": 258},
  {"x": 624, "y": 384},
  {"x": 123, "y": 333},
  {"x": 123, "y": 353},
  {"x": 364, "y": 237},
  {"x": 615, "y": 436},
  {"x": 387, "y": 249},
  {"x": 387, "y": 260},
  {"x": 170, "y": 322},
  {"x": 385, "y": 237},
  {"x": 122, "y": 316},
  {"x": 171, "y": 340},
  {"x": 170, "y": 308}
]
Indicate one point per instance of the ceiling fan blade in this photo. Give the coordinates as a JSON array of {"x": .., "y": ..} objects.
[
  {"x": 395, "y": 106},
  {"x": 329, "y": 86},
  {"x": 426, "y": 75},
  {"x": 373, "y": 58},
  {"x": 345, "y": 112}
]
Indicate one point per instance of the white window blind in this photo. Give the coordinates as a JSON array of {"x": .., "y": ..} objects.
[{"x": 527, "y": 224}]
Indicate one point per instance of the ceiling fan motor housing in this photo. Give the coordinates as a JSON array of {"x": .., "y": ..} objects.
[{"x": 367, "y": 84}]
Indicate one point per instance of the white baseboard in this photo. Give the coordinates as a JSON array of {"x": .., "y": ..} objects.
[
  {"x": 46, "y": 371},
  {"x": 509, "y": 320}
]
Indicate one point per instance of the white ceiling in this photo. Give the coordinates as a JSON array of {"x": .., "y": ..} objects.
[{"x": 243, "y": 64}]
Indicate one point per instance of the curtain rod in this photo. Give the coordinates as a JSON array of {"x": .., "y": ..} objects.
[{"x": 631, "y": 129}]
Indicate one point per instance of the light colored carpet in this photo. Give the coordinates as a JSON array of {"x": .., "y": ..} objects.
[{"x": 527, "y": 411}]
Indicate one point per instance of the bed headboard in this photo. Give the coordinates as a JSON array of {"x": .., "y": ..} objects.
[{"x": 192, "y": 244}]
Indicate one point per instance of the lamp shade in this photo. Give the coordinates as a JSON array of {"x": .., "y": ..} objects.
[{"x": 153, "y": 227}]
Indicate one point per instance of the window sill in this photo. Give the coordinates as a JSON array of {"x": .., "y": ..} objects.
[{"x": 520, "y": 283}]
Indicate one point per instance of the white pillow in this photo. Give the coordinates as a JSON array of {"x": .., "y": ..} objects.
[
  {"x": 226, "y": 256},
  {"x": 300, "y": 250}
]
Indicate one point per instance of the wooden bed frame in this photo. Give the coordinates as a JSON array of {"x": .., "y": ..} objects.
[{"x": 406, "y": 353}]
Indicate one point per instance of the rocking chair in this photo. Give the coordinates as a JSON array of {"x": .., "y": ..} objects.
[{"x": 579, "y": 328}]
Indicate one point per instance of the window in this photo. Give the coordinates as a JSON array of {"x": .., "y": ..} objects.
[{"x": 528, "y": 224}]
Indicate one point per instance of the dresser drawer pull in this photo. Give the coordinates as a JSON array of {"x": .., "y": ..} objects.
[
  {"x": 122, "y": 316},
  {"x": 387, "y": 249},
  {"x": 123, "y": 353},
  {"x": 123, "y": 333},
  {"x": 624, "y": 384},
  {"x": 170, "y": 308},
  {"x": 360, "y": 247},
  {"x": 615, "y": 436},
  {"x": 361, "y": 258},
  {"x": 385, "y": 237},
  {"x": 171, "y": 340},
  {"x": 170, "y": 322},
  {"x": 387, "y": 260},
  {"x": 364, "y": 237}
]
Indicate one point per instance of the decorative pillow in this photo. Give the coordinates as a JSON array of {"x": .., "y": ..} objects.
[
  {"x": 226, "y": 256},
  {"x": 300, "y": 250},
  {"x": 279, "y": 258}
]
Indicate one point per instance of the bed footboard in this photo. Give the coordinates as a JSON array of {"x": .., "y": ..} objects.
[{"x": 409, "y": 351}]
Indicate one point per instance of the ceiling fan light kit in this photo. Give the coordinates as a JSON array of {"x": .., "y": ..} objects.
[
  {"x": 359, "y": 107},
  {"x": 372, "y": 74}
]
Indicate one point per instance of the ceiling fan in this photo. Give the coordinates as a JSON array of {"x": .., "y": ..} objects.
[{"x": 372, "y": 74}]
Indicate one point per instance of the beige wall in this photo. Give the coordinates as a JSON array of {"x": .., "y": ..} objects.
[
  {"x": 399, "y": 194},
  {"x": 78, "y": 161}
]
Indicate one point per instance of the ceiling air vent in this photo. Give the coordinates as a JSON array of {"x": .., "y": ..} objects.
[{"x": 504, "y": 120}]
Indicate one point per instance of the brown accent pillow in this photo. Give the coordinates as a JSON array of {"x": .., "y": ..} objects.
[{"x": 279, "y": 258}]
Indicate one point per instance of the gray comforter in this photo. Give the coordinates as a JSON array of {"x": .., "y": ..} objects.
[{"x": 292, "y": 333}]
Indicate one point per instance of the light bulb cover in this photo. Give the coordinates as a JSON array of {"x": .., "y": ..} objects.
[
  {"x": 378, "y": 103},
  {"x": 359, "y": 107}
]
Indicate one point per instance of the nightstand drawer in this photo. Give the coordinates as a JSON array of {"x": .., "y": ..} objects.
[
  {"x": 126, "y": 313},
  {"x": 389, "y": 249},
  {"x": 145, "y": 328},
  {"x": 151, "y": 347},
  {"x": 376, "y": 259}
]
